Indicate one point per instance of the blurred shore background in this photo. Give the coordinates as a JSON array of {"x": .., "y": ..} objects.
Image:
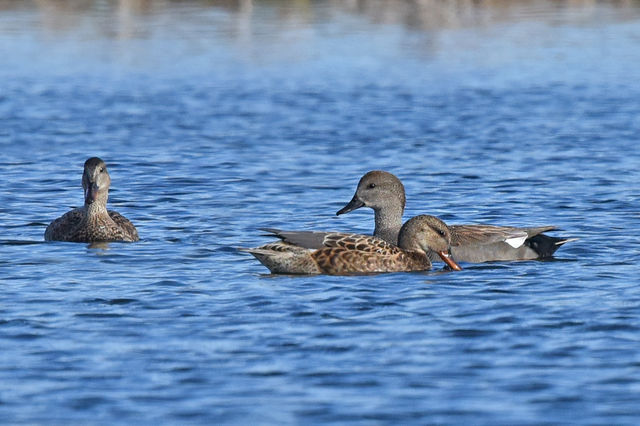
[{"x": 419, "y": 14}]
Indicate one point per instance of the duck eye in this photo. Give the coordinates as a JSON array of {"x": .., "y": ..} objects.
[
  {"x": 372, "y": 185},
  {"x": 441, "y": 232},
  {"x": 101, "y": 169}
]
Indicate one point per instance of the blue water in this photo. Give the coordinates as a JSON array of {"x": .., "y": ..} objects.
[{"x": 216, "y": 120}]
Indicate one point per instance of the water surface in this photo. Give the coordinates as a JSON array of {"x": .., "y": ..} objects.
[{"x": 217, "y": 119}]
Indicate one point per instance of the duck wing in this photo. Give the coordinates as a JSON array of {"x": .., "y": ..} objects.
[
  {"x": 472, "y": 235},
  {"x": 62, "y": 228},
  {"x": 321, "y": 240},
  {"x": 129, "y": 230}
]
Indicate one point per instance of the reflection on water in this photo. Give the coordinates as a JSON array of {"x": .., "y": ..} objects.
[{"x": 99, "y": 245}]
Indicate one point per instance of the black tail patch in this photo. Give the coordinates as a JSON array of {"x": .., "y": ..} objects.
[{"x": 545, "y": 245}]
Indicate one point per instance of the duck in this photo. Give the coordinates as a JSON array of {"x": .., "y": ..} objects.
[
  {"x": 384, "y": 193},
  {"x": 92, "y": 222},
  {"x": 339, "y": 253}
]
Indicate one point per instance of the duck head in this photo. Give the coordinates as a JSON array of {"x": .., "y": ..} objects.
[
  {"x": 377, "y": 190},
  {"x": 428, "y": 233},
  {"x": 95, "y": 181}
]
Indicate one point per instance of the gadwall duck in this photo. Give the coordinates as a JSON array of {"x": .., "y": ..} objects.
[
  {"x": 92, "y": 222},
  {"x": 384, "y": 193},
  {"x": 344, "y": 253}
]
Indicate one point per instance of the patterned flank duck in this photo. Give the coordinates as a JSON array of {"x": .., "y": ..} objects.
[
  {"x": 92, "y": 222},
  {"x": 384, "y": 193},
  {"x": 336, "y": 253}
]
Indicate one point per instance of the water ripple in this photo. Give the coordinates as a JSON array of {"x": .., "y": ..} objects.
[{"x": 216, "y": 121}]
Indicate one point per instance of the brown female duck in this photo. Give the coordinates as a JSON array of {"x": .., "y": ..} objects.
[
  {"x": 92, "y": 222},
  {"x": 336, "y": 253},
  {"x": 384, "y": 193}
]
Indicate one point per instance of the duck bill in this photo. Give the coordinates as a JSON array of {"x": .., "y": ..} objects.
[
  {"x": 446, "y": 258},
  {"x": 90, "y": 193},
  {"x": 354, "y": 204}
]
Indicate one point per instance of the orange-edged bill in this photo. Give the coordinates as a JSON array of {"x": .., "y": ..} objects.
[{"x": 446, "y": 257}]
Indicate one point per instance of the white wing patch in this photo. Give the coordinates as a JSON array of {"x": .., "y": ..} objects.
[{"x": 516, "y": 242}]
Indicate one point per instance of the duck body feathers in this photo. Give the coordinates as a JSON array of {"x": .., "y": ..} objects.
[
  {"x": 335, "y": 253},
  {"x": 80, "y": 226},
  {"x": 338, "y": 253},
  {"x": 487, "y": 243}
]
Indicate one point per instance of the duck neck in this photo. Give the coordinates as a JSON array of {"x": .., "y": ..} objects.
[
  {"x": 96, "y": 209},
  {"x": 388, "y": 224}
]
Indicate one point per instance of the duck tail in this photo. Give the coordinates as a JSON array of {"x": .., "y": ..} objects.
[{"x": 546, "y": 245}]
